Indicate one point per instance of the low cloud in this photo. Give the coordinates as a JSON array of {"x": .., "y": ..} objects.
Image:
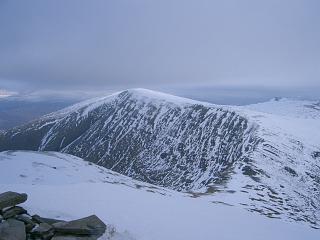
[{"x": 114, "y": 44}]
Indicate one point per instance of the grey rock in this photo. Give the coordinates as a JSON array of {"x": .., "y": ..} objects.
[
  {"x": 27, "y": 221},
  {"x": 10, "y": 199},
  {"x": 14, "y": 211},
  {"x": 30, "y": 227},
  {"x": 43, "y": 231},
  {"x": 12, "y": 230},
  {"x": 74, "y": 237},
  {"x": 91, "y": 225},
  {"x": 38, "y": 219}
]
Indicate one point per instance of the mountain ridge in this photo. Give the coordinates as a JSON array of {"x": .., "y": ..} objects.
[
  {"x": 192, "y": 146},
  {"x": 157, "y": 117}
]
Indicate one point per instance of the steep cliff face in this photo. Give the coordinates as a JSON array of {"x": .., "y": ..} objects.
[{"x": 156, "y": 138}]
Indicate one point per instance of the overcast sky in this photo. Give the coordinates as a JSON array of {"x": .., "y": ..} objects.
[{"x": 118, "y": 44}]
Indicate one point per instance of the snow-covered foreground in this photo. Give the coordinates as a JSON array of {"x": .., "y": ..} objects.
[{"x": 63, "y": 186}]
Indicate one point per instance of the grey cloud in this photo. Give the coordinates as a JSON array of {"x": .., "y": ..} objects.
[{"x": 129, "y": 43}]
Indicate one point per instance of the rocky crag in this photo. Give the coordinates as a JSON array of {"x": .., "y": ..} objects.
[{"x": 17, "y": 224}]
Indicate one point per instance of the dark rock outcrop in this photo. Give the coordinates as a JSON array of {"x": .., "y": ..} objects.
[
  {"x": 91, "y": 225},
  {"x": 43, "y": 231},
  {"x": 73, "y": 238},
  {"x": 27, "y": 221},
  {"x": 12, "y": 212},
  {"x": 17, "y": 224},
  {"x": 12, "y": 230},
  {"x": 38, "y": 219},
  {"x": 10, "y": 199}
]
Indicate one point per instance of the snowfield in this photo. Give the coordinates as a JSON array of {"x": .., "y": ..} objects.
[
  {"x": 64, "y": 186},
  {"x": 283, "y": 175},
  {"x": 298, "y": 118}
]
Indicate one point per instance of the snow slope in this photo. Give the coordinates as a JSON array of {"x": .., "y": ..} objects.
[
  {"x": 282, "y": 177},
  {"x": 63, "y": 186}
]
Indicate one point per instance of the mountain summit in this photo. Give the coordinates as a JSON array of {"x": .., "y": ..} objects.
[{"x": 154, "y": 137}]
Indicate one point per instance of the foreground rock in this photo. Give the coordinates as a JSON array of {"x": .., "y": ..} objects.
[
  {"x": 38, "y": 219},
  {"x": 14, "y": 211},
  {"x": 17, "y": 224},
  {"x": 91, "y": 225},
  {"x": 27, "y": 221},
  {"x": 10, "y": 199},
  {"x": 12, "y": 230},
  {"x": 73, "y": 238},
  {"x": 43, "y": 231}
]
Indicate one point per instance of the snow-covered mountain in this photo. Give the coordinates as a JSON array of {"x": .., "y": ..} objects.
[
  {"x": 265, "y": 157},
  {"x": 157, "y": 138},
  {"x": 65, "y": 187}
]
